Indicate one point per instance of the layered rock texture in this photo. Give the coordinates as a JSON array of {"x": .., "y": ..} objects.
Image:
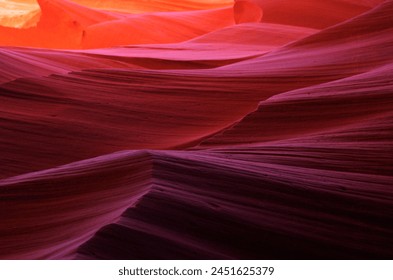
[{"x": 196, "y": 129}]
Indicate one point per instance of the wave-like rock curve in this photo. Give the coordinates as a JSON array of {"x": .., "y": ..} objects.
[{"x": 250, "y": 129}]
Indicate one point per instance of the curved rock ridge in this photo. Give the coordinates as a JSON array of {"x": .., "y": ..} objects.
[
  {"x": 253, "y": 194},
  {"x": 356, "y": 99},
  {"x": 68, "y": 104},
  {"x": 249, "y": 129},
  {"x": 63, "y": 208},
  {"x": 240, "y": 197}
]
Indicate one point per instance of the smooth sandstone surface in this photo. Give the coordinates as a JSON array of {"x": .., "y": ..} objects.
[{"x": 249, "y": 129}]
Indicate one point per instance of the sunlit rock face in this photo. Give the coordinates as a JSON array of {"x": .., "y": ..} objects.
[{"x": 196, "y": 129}]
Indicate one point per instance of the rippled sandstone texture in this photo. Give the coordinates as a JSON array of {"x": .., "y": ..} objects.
[{"x": 249, "y": 129}]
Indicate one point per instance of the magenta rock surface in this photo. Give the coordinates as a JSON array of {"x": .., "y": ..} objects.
[{"x": 248, "y": 130}]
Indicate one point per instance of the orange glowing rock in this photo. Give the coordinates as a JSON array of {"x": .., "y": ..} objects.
[
  {"x": 66, "y": 25},
  {"x": 247, "y": 11}
]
